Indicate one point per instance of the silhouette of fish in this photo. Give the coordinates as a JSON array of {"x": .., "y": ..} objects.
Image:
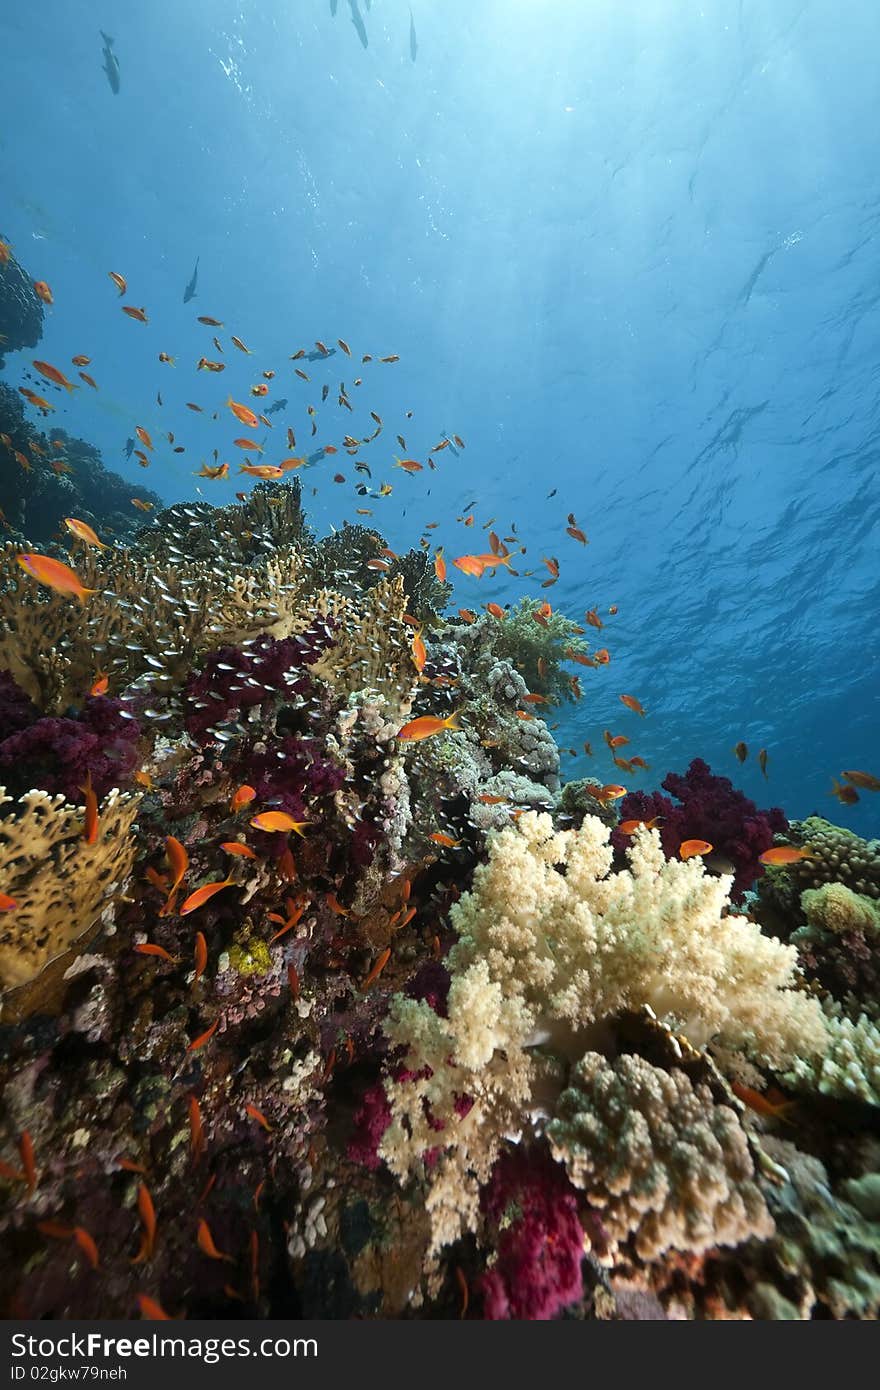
[
  {"x": 190, "y": 291},
  {"x": 334, "y": 5},
  {"x": 274, "y": 408},
  {"x": 357, "y": 20},
  {"x": 111, "y": 62},
  {"x": 318, "y": 356},
  {"x": 129, "y": 447},
  {"x": 413, "y": 41}
]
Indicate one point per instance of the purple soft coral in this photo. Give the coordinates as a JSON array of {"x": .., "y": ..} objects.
[
  {"x": 540, "y": 1241},
  {"x": 233, "y": 681},
  {"x": 58, "y": 754},
  {"x": 711, "y": 808}
]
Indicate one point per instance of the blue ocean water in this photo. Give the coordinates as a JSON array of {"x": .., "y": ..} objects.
[{"x": 627, "y": 251}]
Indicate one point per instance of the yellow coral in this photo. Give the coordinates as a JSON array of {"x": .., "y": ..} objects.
[{"x": 59, "y": 882}]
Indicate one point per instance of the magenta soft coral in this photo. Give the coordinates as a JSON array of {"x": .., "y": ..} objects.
[
  {"x": 531, "y": 1210},
  {"x": 56, "y": 754},
  {"x": 710, "y": 808}
]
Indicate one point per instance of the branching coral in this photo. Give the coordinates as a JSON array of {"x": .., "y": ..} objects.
[
  {"x": 660, "y": 1160},
  {"x": 536, "y": 649},
  {"x": 552, "y": 946},
  {"x": 848, "y": 1068},
  {"x": 58, "y": 881}
]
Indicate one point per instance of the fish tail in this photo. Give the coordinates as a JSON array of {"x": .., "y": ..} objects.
[{"x": 452, "y": 722}]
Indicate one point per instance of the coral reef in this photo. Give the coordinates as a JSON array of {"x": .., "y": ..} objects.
[
  {"x": 21, "y": 313},
  {"x": 709, "y": 808}
]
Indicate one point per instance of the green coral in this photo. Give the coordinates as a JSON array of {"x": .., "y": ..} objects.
[
  {"x": 836, "y": 908},
  {"x": 531, "y": 647}
]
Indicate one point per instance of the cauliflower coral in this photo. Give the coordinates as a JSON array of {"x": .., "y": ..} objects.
[{"x": 552, "y": 946}]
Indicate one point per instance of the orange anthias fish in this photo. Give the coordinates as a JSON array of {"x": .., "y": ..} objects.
[
  {"x": 203, "y": 895},
  {"x": 141, "y": 505},
  {"x": 770, "y": 1110},
  {"x": 632, "y": 703},
  {"x": 576, "y": 534},
  {"x": 89, "y": 380},
  {"x": 847, "y": 796},
  {"x": 119, "y": 281},
  {"x": 426, "y": 726},
  {"x": 204, "y": 1037},
  {"x": 242, "y": 797},
  {"x": 236, "y": 847},
  {"x": 629, "y": 827},
  {"x": 381, "y": 961},
  {"x": 147, "y": 1213},
  {"x": 196, "y": 1133},
  {"x": 83, "y": 532},
  {"x": 446, "y": 841},
  {"x": 785, "y": 854},
  {"x": 81, "y": 360},
  {"x": 866, "y": 780},
  {"x": 6, "y": 903},
  {"x": 206, "y": 1244},
  {"x": 143, "y": 436},
  {"x": 440, "y": 566},
  {"x": 178, "y": 860},
  {"x": 52, "y": 374},
  {"x": 260, "y": 1118},
  {"x": 272, "y": 821},
  {"x": 593, "y": 618},
  {"x": 42, "y": 291},
  {"x": 54, "y": 574},
  {"x": 28, "y": 1161},
  {"x": 39, "y": 402},
  {"x": 149, "y": 948},
  {"x": 689, "y": 848},
  {"x": 250, "y": 444},
  {"x": 151, "y": 1311},
  {"x": 419, "y": 652},
  {"x": 139, "y": 314},
  {"x": 243, "y": 413},
  {"x": 261, "y": 470},
  {"x": 612, "y": 791},
  {"x": 200, "y": 954},
  {"x": 90, "y": 826},
  {"x": 221, "y": 471}
]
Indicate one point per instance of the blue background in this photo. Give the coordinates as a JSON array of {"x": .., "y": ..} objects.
[{"x": 627, "y": 250}]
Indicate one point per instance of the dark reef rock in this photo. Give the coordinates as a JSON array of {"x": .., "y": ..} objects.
[
  {"x": 21, "y": 313},
  {"x": 35, "y": 501}
]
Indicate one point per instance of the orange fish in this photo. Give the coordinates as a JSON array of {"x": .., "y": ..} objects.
[
  {"x": 42, "y": 291},
  {"x": 261, "y": 470},
  {"x": 440, "y": 566},
  {"x": 496, "y": 611},
  {"x": 243, "y": 413},
  {"x": 446, "y": 841},
  {"x": 760, "y": 1104},
  {"x": 204, "y": 1037},
  {"x": 81, "y": 360},
  {"x": 260, "y": 1118},
  {"x": 86, "y": 1244},
  {"x": 203, "y": 895},
  {"x": 28, "y": 1162},
  {"x": 467, "y": 615},
  {"x": 204, "y": 365},
  {"x": 141, "y": 504},
  {"x": 426, "y": 726},
  {"x": 688, "y": 848},
  {"x": 52, "y": 374},
  {"x": 149, "y": 948},
  {"x": 222, "y": 471},
  {"x": 278, "y": 820},
  {"x": 610, "y": 792},
  {"x": 212, "y": 323},
  {"x": 5, "y": 252},
  {"x": 629, "y": 827},
  {"x": 38, "y": 401},
  {"x": 147, "y": 1213},
  {"x": 119, "y": 281},
  {"x": 470, "y": 564},
  {"x": 178, "y": 860},
  {"x": 785, "y": 854},
  {"x": 89, "y": 380},
  {"x": 139, "y": 314},
  {"x": 239, "y": 344},
  {"x": 235, "y": 847},
  {"x": 847, "y": 796},
  {"x": 577, "y": 534},
  {"x": 408, "y": 465},
  {"x": 381, "y": 961},
  {"x": 151, "y": 1311},
  {"x": 293, "y": 980},
  {"x": 261, "y": 389},
  {"x": 553, "y": 566},
  {"x": 741, "y": 750},
  {"x": 200, "y": 955},
  {"x": 593, "y": 618},
  {"x": 242, "y": 797},
  {"x": 296, "y": 911},
  {"x": 632, "y": 703},
  {"x": 603, "y": 656},
  {"x": 7, "y": 904},
  {"x": 866, "y": 780},
  {"x": 83, "y": 532},
  {"x": 615, "y": 741},
  {"x": 205, "y": 1240},
  {"x": 90, "y": 827},
  {"x": 250, "y": 444},
  {"x": 762, "y": 760},
  {"x": 54, "y": 574},
  {"x": 196, "y": 1133}
]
